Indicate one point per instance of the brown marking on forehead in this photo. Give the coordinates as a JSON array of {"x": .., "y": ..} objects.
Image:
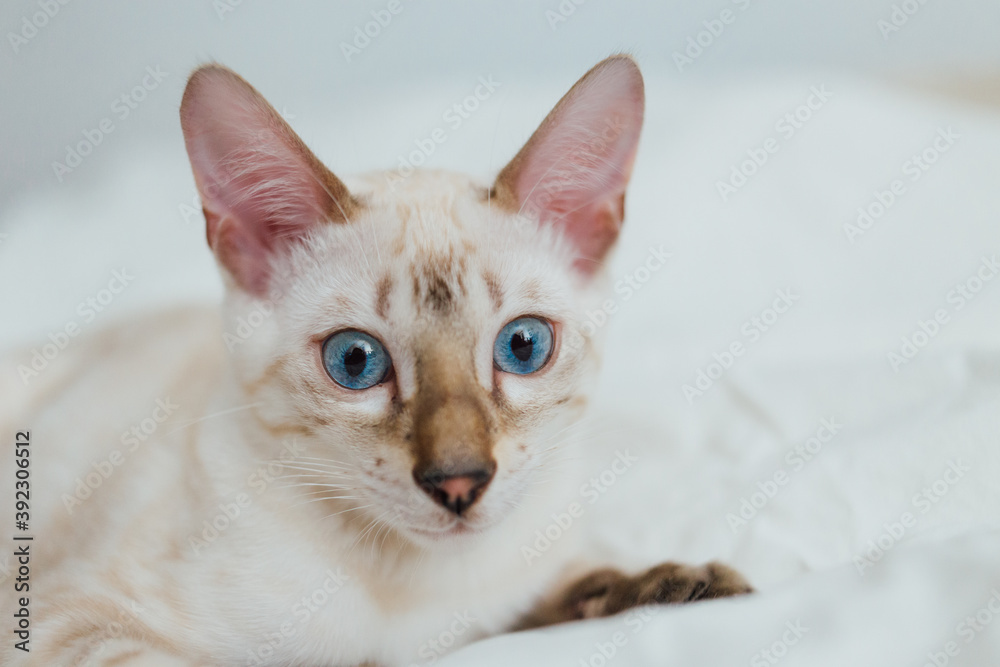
[
  {"x": 416, "y": 284},
  {"x": 403, "y": 213},
  {"x": 438, "y": 281},
  {"x": 493, "y": 287},
  {"x": 382, "y": 296},
  {"x": 439, "y": 296}
]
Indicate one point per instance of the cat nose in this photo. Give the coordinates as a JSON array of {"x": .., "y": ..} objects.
[{"x": 456, "y": 492}]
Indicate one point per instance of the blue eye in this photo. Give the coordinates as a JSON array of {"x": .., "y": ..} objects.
[
  {"x": 523, "y": 346},
  {"x": 355, "y": 360}
]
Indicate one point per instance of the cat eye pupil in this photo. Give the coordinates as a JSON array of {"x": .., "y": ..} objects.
[
  {"x": 355, "y": 361},
  {"x": 522, "y": 345}
]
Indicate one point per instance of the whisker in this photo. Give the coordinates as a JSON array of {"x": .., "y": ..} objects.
[
  {"x": 316, "y": 500},
  {"x": 336, "y": 464},
  {"x": 349, "y": 509},
  {"x": 366, "y": 531},
  {"x": 315, "y": 471},
  {"x": 318, "y": 463},
  {"x": 416, "y": 566},
  {"x": 385, "y": 524},
  {"x": 214, "y": 414},
  {"x": 319, "y": 484}
]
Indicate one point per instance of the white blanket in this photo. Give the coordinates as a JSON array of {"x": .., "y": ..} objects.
[{"x": 860, "y": 492}]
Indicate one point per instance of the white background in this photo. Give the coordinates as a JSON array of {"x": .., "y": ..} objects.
[{"x": 67, "y": 76}]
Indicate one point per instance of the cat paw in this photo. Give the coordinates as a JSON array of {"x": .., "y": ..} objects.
[{"x": 608, "y": 591}]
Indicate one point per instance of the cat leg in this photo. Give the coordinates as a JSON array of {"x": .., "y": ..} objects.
[
  {"x": 607, "y": 591},
  {"x": 131, "y": 653},
  {"x": 100, "y": 631}
]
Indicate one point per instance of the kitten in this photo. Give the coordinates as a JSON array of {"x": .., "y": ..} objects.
[{"x": 361, "y": 471}]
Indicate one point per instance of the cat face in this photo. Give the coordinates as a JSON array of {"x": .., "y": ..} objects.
[{"x": 421, "y": 336}]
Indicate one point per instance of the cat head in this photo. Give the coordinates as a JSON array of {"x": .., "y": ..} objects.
[{"x": 422, "y": 341}]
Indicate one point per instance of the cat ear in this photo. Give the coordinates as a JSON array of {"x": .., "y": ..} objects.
[
  {"x": 260, "y": 186},
  {"x": 573, "y": 171}
]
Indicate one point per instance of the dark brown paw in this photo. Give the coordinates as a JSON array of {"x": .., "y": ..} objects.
[{"x": 608, "y": 591}]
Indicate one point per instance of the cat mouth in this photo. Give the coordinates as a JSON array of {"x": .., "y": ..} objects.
[{"x": 455, "y": 529}]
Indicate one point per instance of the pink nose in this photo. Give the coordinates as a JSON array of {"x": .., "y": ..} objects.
[{"x": 456, "y": 493}]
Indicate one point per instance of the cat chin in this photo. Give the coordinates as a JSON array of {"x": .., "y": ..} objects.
[{"x": 458, "y": 532}]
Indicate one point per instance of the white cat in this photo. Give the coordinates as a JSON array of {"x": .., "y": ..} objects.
[{"x": 362, "y": 469}]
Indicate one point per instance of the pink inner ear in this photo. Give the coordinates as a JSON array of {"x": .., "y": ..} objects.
[
  {"x": 259, "y": 184},
  {"x": 242, "y": 254},
  {"x": 574, "y": 171}
]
